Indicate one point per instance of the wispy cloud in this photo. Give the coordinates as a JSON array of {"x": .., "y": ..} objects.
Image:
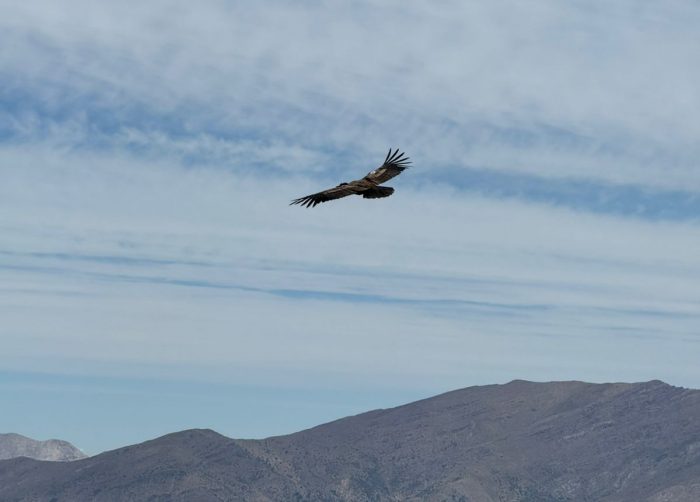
[{"x": 557, "y": 90}]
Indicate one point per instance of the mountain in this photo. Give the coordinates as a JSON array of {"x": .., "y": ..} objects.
[
  {"x": 16, "y": 445},
  {"x": 523, "y": 441}
]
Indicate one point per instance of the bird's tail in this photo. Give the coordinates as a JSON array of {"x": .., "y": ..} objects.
[{"x": 377, "y": 192}]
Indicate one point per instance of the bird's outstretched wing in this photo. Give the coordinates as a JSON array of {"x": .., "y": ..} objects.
[
  {"x": 393, "y": 165},
  {"x": 342, "y": 190}
]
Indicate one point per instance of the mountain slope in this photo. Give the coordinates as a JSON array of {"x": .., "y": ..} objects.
[
  {"x": 16, "y": 445},
  {"x": 521, "y": 441}
]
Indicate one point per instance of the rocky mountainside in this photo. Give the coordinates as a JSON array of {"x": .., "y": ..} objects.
[
  {"x": 16, "y": 445},
  {"x": 523, "y": 441}
]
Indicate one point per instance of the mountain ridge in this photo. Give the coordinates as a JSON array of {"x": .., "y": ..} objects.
[{"x": 520, "y": 441}]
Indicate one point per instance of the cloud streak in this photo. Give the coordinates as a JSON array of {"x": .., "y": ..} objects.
[{"x": 452, "y": 273}]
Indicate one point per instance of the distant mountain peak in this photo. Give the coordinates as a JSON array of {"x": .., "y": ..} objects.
[{"x": 15, "y": 445}]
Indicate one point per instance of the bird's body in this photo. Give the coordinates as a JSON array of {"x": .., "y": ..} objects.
[{"x": 368, "y": 187}]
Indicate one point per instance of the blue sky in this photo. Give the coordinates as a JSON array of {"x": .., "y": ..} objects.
[{"x": 154, "y": 278}]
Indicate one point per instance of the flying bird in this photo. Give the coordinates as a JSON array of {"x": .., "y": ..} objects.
[{"x": 368, "y": 187}]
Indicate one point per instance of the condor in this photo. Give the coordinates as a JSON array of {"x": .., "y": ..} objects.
[{"x": 368, "y": 187}]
